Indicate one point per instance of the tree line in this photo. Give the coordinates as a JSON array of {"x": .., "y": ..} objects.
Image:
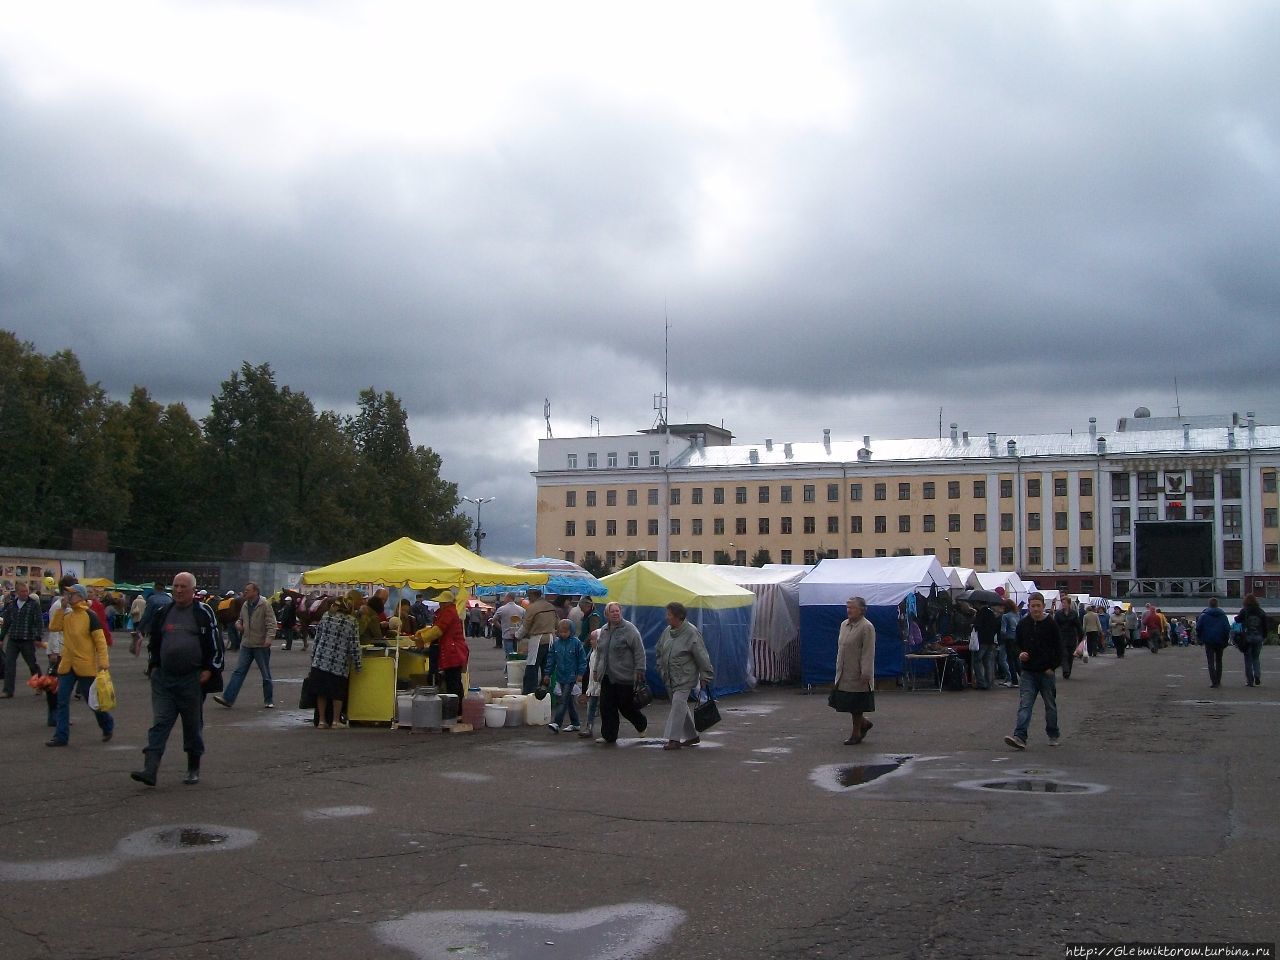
[{"x": 264, "y": 465}]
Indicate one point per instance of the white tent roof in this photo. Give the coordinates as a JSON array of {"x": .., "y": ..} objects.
[
  {"x": 881, "y": 581},
  {"x": 989, "y": 581},
  {"x": 746, "y": 576},
  {"x": 958, "y": 577}
]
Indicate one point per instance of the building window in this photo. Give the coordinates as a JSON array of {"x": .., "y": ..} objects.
[
  {"x": 633, "y": 458},
  {"x": 1232, "y": 555},
  {"x": 1231, "y": 484},
  {"x": 569, "y": 555},
  {"x": 675, "y": 526},
  {"x": 1203, "y": 512},
  {"x": 572, "y": 460},
  {"x": 675, "y": 496},
  {"x": 695, "y": 496},
  {"x": 1033, "y": 487},
  {"x": 739, "y": 526},
  {"x": 696, "y": 524},
  {"x": 979, "y": 523},
  {"x": 762, "y": 495},
  {"x": 881, "y": 525},
  {"x": 739, "y": 494},
  {"x": 1147, "y": 513},
  {"x": 904, "y": 491},
  {"x": 855, "y": 491},
  {"x": 632, "y": 528},
  {"x": 953, "y": 523},
  {"x": 786, "y": 525},
  {"x": 953, "y": 557},
  {"x": 613, "y": 460},
  {"x": 810, "y": 525},
  {"x": 717, "y": 527},
  {"x": 953, "y": 489},
  {"x": 1121, "y": 555},
  {"x": 571, "y": 498},
  {"x": 1232, "y": 520},
  {"x": 1060, "y": 520},
  {"x": 856, "y": 553},
  {"x": 1059, "y": 556},
  {"x": 810, "y": 557},
  {"x": 1201, "y": 484},
  {"x": 611, "y": 498},
  {"x": 904, "y": 523},
  {"x": 674, "y": 556},
  {"x": 740, "y": 558},
  {"x": 1120, "y": 521},
  {"x": 1271, "y": 553},
  {"x": 591, "y": 461},
  {"x": 1006, "y": 490},
  {"x": 1270, "y": 517},
  {"x": 717, "y": 495},
  {"x": 1006, "y": 522},
  {"x": 1006, "y": 557},
  {"x": 784, "y": 494},
  {"x": 927, "y": 523},
  {"x": 611, "y": 528},
  {"x": 1119, "y": 486},
  {"x": 1268, "y": 481},
  {"x": 696, "y": 556},
  {"x": 928, "y": 490},
  {"x": 881, "y": 491},
  {"x": 655, "y": 458},
  {"x": 591, "y": 498},
  {"x": 833, "y": 493},
  {"x": 833, "y": 524},
  {"x": 653, "y": 528},
  {"x": 1175, "y": 511},
  {"x": 1086, "y": 556},
  {"x": 979, "y": 557},
  {"x": 763, "y": 524},
  {"x": 653, "y": 496},
  {"x": 1033, "y": 557},
  {"x": 979, "y": 489},
  {"x": 810, "y": 493},
  {"x": 855, "y": 524},
  {"x": 1059, "y": 486},
  {"x": 1148, "y": 484},
  {"x": 1086, "y": 486},
  {"x": 784, "y": 556},
  {"x": 882, "y": 553},
  {"x": 570, "y": 528},
  {"x": 1033, "y": 521},
  {"x": 633, "y": 498}
]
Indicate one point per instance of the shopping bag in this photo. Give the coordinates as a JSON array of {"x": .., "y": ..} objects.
[
  {"x": 641, "y": 696},
  {"x": 973, "y": 640},
  {"x": 706, "y": 714},
  {"x": 102, "y": 693}
]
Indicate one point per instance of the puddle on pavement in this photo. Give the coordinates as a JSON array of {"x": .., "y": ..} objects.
[
  {"x": 778, "y": 750},
  {"x": 754, "y": 710},
  {"x": 627, "y": 931},
  {"x": 337, "y": 813},
  {"x": 1035, "y": 786},
  {"x": 857, "y": 776},
  {"x": 842, "y": 777},
  {"x": 152, "y": 842},
  {"x": 463, "y": 776}
]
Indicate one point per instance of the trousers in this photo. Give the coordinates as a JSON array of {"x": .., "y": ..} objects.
[
  {"x": 618, "y": 699},
  {"x": 12, "y": 648},
  {"x": 680, "y": 717},
  {"x": 174, "y": 696}
]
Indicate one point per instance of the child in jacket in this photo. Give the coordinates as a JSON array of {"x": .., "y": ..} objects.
[{"x": 566, "y": 662}]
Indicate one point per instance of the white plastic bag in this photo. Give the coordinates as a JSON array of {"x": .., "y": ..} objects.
[{"x": 973, "y": 640}]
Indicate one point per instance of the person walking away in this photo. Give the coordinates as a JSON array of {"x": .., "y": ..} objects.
[
  {"x": 1092, "y": 633},
  {"x": 591, "y": 685},
  {"x": 184, "y": 660},
  {"x": 1151, "y": 628},
  {"x": 1132, "y": 624},
  {"x": 539, "y": 628},
  {"x": 228, "y": 616},
  {"x": 84, "y": 656},
  {"x": 256, "y": 628},
  {"x": 987, "y": 625},
  {"x": 1008, "y": 639},
  {"x": 1255, "y": 626},
  {"x": 23, "y": 629},
  {"x": 335, "y": 651},
  {"x": 1119, "y": 630},
  {"x": 507, "y": 619},
  {"x": 1070, "y": 633},
  {"x": 854, "y": 688},
  {"x": 156, "y": 601},
  {"x": 620, "y": 662},
  {"x": 1040, "y": 651},
  {"x": 136, "y": 610},
  {"x": 1215, "y": 633},
  {"x": 566, "y": 663},
  {"x": 683, "y": 663},
  {"x": 289, "y": 622}
]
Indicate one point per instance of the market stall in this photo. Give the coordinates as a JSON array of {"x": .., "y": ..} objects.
[
  {"x": 775, "y": 618},
  {"x": 719, "y": 609},
  {"x": 413, "y": 565},
  {"x": 564, "y": 578}
]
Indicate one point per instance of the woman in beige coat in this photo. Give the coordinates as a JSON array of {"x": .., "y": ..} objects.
[{"x": 854, "y": 691}]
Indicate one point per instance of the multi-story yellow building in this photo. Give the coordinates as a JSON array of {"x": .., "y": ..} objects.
[{"x": 1157, "y": 508}]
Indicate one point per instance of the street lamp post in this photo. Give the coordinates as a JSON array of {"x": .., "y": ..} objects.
[{"x": 479, "y": 502}]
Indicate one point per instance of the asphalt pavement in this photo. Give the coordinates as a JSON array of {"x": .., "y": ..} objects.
[{"x": 1153, "y": 821}]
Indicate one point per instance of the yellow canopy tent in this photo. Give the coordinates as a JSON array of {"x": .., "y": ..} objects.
[{"x": 101, "y": 582}]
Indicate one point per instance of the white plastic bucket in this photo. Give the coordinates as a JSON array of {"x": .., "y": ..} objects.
[
  {"x": 515, "y": 673},
  {"x": 495, "y": 715}
]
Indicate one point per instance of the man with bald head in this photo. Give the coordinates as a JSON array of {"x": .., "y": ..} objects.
[{"x": 184, "y": 661}]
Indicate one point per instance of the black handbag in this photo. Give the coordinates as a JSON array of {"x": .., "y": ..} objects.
[
  {"x": 641, "y": 695},
  {"x": 706, "y": 714},
  {"x": 307, "y": 697}
]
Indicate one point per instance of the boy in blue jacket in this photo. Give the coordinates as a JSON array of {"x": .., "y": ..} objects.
[{"x": 566, "y": 662}]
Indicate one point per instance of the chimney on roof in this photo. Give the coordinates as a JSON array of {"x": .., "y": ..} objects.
[
  {"x": 1249, "y": 420},
  {"x": 786, "y": 450},
  {"x": 1093, "y": 426},
  {"x": 954, "y": 435},
  {"x": 1231, "y": 437},
  {"x": 866, "y": 440},
  {"x": 768, "y": 444},
  {"x": 1186, "y": 434},
  {"x": 754, "y": 455},
  {"x": 966, "y": 437},
  {"x": 1102, "y": 445},
  {"x": 991, "y": 438},
  {"x": 826, "y": 439},
  {"x": 1012, "y": 446}
]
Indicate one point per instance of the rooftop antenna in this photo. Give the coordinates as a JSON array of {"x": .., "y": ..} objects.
[
  {"x": 660, "y": 399},
  {"x": 1176, "y": 401},
  {"x": 546, "y": 415},
  {"x": 594, "y": 422}
]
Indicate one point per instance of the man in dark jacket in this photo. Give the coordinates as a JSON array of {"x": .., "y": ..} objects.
[
  {"x": 1040, "y": 653},
  {"x": 23, "y": 629},
  {"x": 184, "y": 661},
  {"x": 1214, "y": 630},
  {"x": 1070, "y": 633}
]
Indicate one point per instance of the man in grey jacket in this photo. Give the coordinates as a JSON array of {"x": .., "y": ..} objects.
[
  {"x": 257, "y": 626},
  {"x": 620, "y": 664}
]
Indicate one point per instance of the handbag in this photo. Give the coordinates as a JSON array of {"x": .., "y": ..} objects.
[
  {"x": 641, "y": 695},
  {"x": 974, "y": 644},
  {"x": 307, "y": 698},
  {"x": 706, "y": 714}
]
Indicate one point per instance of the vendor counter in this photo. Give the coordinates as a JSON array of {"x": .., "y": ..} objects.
[{"x": 371, "y": 694}]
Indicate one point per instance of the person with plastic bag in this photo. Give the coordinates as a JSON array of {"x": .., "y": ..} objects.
[
  {"x": 84, "y": 656},
  {"x": 683, "y": 663}
]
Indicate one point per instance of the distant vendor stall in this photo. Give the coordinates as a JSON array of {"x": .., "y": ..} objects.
[
  {"x": 407, "y": 564},
  {"x": 775, "y": 618}
]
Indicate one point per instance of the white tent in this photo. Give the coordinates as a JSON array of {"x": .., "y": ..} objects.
[
  {"x": 775, "y": 617},
  {"x": 989, "y": 581},
  {"x": 958, "y": 577}
]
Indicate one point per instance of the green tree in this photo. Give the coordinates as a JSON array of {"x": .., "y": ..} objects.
[
  {"x": 722, "y": 558},
  {"x": 594, "y": 564},
  {"x": 761, "y": 558}
]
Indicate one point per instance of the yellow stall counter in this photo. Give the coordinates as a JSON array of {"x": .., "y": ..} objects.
[{"x": 371, "y": 694}]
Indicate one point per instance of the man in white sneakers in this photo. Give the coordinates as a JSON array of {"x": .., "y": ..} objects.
[{"x": 1039, "y": 654}]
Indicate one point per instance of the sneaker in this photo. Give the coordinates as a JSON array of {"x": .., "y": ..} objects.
[
  {"x": 599, "y": 739},
  {"x": 106, "y": 737},
  {"x": 553, "y": 727},
  {"x": 585, "y": 733},
  {"x": 1055, "y": 742},
  {"x": 571, "y": 728},
  {"x": 55, "y": 742},
  {"x": 268, "y": 706},
  {"x": 1016, "y": 742},
  {"x": 220, "y": 700}
]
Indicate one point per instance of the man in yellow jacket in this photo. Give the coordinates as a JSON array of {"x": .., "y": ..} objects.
[{"x": 84, "y": 656}]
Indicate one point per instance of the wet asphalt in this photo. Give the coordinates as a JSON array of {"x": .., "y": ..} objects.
[{"x": 1153, "y": 821}]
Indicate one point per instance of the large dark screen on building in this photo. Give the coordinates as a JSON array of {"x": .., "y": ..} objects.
[{"x": 1176, "y": 548}]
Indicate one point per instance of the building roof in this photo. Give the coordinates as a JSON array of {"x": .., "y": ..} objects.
[{"x": 1044, "y": 445}]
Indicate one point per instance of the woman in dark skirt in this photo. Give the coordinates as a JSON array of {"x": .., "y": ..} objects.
[
  {"x": 854, "y": 691},
  {"x": 336, "y": 649}
]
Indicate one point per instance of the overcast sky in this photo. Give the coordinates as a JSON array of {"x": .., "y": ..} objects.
[{"x": 853, "y": 214}]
